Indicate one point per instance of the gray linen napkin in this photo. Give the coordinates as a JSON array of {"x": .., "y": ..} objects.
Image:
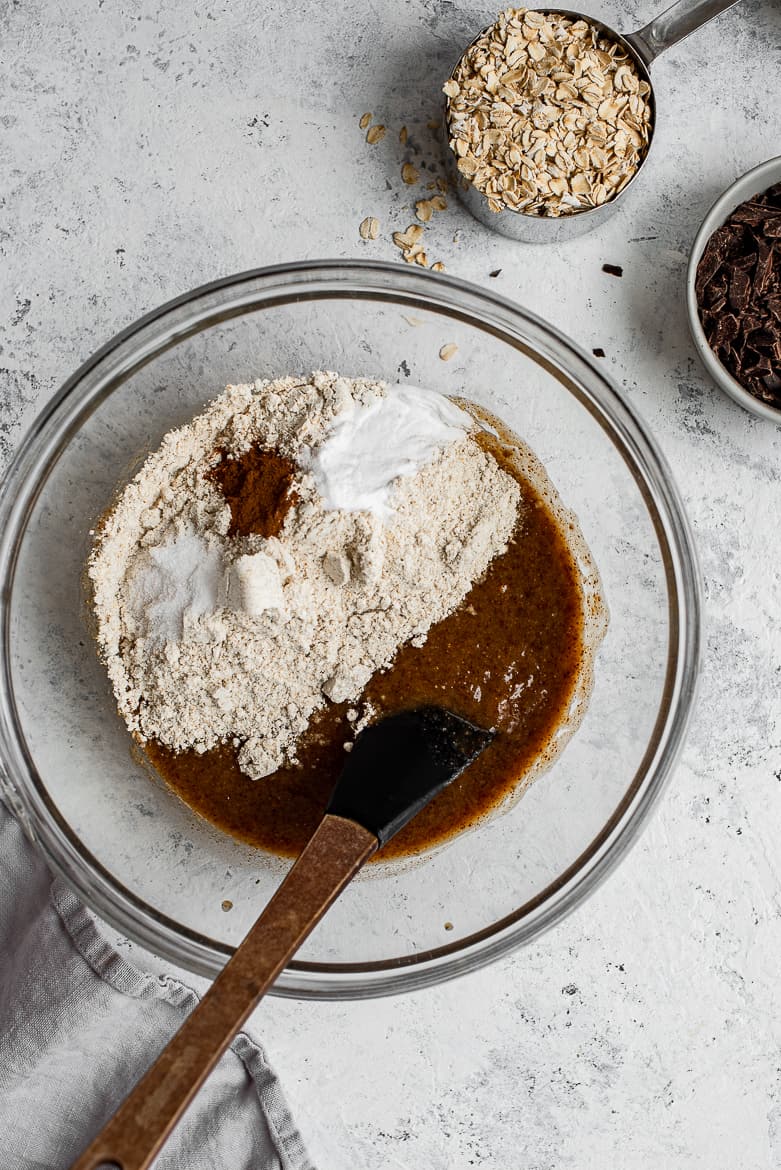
[{"x": 79, "y": 1025}]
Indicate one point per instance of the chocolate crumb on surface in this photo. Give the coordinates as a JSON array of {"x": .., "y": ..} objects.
[
  {"x": 738, "y": 290},
  {"x": 613, "y": 269},
  {"x": 598, "y": 352},
  {"x": 496, "y": 272}
]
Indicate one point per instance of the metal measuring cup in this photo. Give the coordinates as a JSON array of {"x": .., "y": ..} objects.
[{"x": 643, "y": 47}]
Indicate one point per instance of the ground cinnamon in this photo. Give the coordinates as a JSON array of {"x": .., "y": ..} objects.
[{"x": 258, "y": 488}]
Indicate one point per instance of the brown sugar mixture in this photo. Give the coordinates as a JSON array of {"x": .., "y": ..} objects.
[{"x": 508, "y": 658}]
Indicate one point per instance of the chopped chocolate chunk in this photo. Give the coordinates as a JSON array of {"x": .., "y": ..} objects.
[
  {"x": 764, "y": 340},
  {"x": 774, "y": 306},
  {"x": 716, "y": 301},
  {"x": 744, "y": 263},
  {"x": 752, "y": 320},
  {"x": 613, "y": 269},
  {"x": 738, "y": 289},
  {"x": 773, "y": 196},
  {"x": 495, "y": 272},
  {"x": 752, "y": 214},
  {"x": 598, "y": 352},
  {"x": 727, "y": 329},
  {"x": 764, "y": 271}
]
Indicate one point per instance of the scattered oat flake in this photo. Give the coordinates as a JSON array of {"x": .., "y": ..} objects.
[
  {"x": 375, "y": 134},
  {"x": 365, "y": 120},
  {"x": 369, "y": 228},
  {"x": 439, "y": 203},
  {"x": 410, "y": 174},
  {"x": 438, "y": 267},
  {"x": 448, "y": 351},
  {"x": 403, "y": 136},
  {"x": 227, "y": 905},
  {"x": 414, "y": 321},
  {"x": 411, "y": 248},
  {"x": 424, "y": 210},
  {"x": 411, "y": 236}
]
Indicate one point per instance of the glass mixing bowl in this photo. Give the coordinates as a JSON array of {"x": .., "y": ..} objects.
[{"x": 138, "y": 856}]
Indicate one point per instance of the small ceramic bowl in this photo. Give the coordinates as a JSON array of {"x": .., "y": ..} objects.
[{"x": 752, "y": 183}]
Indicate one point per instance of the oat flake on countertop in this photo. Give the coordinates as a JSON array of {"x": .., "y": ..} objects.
[{"x": 292, "y": 621}]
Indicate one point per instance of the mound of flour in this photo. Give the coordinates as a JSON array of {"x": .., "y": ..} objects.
[{"x": 213, "y": 639}]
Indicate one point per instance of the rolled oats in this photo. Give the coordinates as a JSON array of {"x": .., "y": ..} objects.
[
  {"x": 546, "y": 115},
  {"x": 425, "y": 208},
  {"x": 369, "y": 228},
  {"x": 413, "y": 234},
  {"x": 409, "y": 243}
]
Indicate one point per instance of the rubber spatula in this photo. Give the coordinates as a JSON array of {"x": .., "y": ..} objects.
[{"x": 395, "y": 768}]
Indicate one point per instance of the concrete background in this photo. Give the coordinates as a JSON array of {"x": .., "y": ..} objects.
[{"x": 146, "y": 148}]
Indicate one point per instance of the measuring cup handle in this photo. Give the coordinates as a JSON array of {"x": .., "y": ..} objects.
[{"x": 673, "y": 25}]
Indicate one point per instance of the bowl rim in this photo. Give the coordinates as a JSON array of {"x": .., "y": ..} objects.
[
  {"x": 718, "y": 213},
  {"x": 190, "y": 313}
]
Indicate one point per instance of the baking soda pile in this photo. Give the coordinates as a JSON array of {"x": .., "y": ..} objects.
[{"x": 212, "y": 639}]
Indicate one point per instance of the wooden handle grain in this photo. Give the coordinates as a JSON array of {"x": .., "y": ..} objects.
[{"x": 141, "y": 1125}]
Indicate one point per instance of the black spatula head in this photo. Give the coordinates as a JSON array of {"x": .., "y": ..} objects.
[{"x": 398, "y": 765}]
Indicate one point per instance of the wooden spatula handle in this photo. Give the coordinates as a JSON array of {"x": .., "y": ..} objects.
[{"x": 142, "y": 1123}]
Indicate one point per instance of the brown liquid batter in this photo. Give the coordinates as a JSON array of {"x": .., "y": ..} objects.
[{"x": 507, "y": 658}]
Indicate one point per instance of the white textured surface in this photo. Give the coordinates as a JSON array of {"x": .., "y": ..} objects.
[{"x": 146, "y": 151}]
